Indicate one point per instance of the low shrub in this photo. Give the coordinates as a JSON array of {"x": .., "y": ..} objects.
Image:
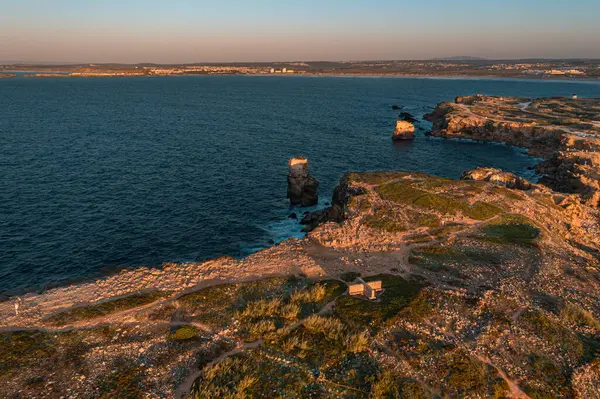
[{"x": 183, "y": 333}]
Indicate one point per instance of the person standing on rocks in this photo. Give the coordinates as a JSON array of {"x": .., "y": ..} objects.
[{"x": 17, "y": 304}]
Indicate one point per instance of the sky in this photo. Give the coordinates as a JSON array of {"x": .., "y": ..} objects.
[{"x": 187, "y": 31}]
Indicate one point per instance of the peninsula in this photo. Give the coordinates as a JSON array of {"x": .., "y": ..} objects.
[{"x": 489, "y": 288}]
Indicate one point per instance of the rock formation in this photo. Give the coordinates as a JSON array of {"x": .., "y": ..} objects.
[
  {"x": 499, "y": 177},
  {"x": 303, "y": 189},
  {"x": 498, "y": 288},
  {"x": 563, "y": 131},
  {"x": 404, "y": 131},
  {"x": 408, "y": 117}
]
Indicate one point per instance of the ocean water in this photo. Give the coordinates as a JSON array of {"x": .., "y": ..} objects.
[{"x": 97, "y": 174}]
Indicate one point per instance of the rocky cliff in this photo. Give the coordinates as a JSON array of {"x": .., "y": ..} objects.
[
  {"x": 565, "y": 132},
  {"x": 303, "y": 189},
  {"x": 488, "y": 292}
]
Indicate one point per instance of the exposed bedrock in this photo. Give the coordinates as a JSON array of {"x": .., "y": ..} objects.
[
  {"x": 565, "y": 132},
  {"x": 404, "y": 131},
  {"x": 499, "y": 177},
  {"x": 336, "y": 212},
  {"x": 303, "y": 189}
]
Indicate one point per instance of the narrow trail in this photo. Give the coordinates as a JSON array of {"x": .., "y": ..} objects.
[
  {"x": 515, "y": 390},
  {"x": 185, "y": 388},
  {"x": 69, "y": 328}
]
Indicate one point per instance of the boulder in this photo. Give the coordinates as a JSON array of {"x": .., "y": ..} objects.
[
  {"x": 303, "y": 189},
  {"x": 497, "y": 176},
  {"x": 404, "y": 131},
  {"x": 408, "y": 117}
]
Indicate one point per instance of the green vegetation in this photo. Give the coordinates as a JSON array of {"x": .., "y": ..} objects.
[
  {"x": 217, "y": 305},
  {"x": 400, "y": 192},
  {"x": 183, "y": 333},
  {"x": 428, "y": 220},
  {"x": 466, "y": 376},
  {"x": 553, "y": 332},
  {"x": 105, "y": 308},
  {"x": 386, "y": 220},
  {"x": 574, "y": 314},
  {"x": 24, "y": 349},
  {"x": 359, "y": 203},
  {"x": 389, "y": 386},
  {"x": 265, "y": 316},
  {"x": 399, "y": 294},
  {"x": 550, "y": 381},
  {"x": 350, "y": 276},
  {"x": 124, "y": 382},
  {"x": 252, "y": 375},
  {"x": 403, "y": 193},
  {"x": 515, "y": 229}
]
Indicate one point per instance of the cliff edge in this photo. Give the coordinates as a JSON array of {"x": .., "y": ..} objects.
[{"x": 565, "y": 132}]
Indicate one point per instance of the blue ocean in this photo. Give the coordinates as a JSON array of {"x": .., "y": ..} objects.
[{"x": 100, "y": 174}]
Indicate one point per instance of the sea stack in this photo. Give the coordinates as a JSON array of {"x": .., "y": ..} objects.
[
  {"x": 404, "y": 131},
  {"x": 303, "y": 189}
]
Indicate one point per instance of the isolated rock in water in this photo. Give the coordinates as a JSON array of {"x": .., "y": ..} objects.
[
  {"x": 396, "y": 107},
  {"x": 303, "y": 189},
  {"x": 404, "y": 131},
  {"x": 496, "y": 176},
  {"x": 408, "y": 117}
]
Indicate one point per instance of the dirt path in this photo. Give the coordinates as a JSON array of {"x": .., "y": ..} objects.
[{"x": 184, "y": 390}]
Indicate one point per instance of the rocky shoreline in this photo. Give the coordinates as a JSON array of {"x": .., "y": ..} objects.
[
  {"x": 565, "y": 132},
  {"x": 490, "y": 290}
]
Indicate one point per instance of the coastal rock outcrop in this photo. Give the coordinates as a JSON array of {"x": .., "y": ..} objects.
[
  {"x": 408, "y": 117},
  {"x": 497, "y": 176},
  {"x": 337, "y": 211},
  {"x": 563, "y": 131},
  {"x": 303, "y": 189},
  {"x": 404, "y": 131}
]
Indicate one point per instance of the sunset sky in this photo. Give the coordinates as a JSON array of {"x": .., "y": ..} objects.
[{"x": 262, "y": 30}]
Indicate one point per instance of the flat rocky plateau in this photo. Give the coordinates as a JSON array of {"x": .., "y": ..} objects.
[{"x": 490, "y": 290}]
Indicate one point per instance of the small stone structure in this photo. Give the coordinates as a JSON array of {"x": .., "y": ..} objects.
[
  {"x": 368, "y": 290},
  {"x": 303, "y": 189},
  {"x": 404, "y": 131}
]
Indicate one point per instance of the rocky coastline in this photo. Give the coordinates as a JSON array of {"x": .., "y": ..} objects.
[
  {"x": 490, "y": 290},
  {"x": 565, "y": 132}
]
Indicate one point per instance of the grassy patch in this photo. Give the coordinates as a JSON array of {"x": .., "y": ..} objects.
[
  {"x": 251, "y": 375},
  {"x": 124, "y": 382},
  {"x": 400, "y": 192},
  {"x": 24, "y": 349},
  {"x": 553, "y": 332},
  {"x": 398, "y": 294},
  {"x": 350, "y": 276},
  {"x": 385, "y": 220},
  {"x": 465, "y": 376},
  {"x": 515, "y": 229},
  {"x": 428, "y": 220},
  {"x": 217, "y": 305},
  {"x": 183, "y": 333},
  {"x": 105, "y": 308},
  {"x": 574, "y": 314}
]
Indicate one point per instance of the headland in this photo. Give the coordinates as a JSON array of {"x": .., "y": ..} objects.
[{"x": 490, "y": 289}]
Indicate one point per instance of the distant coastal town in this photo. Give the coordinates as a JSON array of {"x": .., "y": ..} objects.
[{"x": 567, "y": 69}]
